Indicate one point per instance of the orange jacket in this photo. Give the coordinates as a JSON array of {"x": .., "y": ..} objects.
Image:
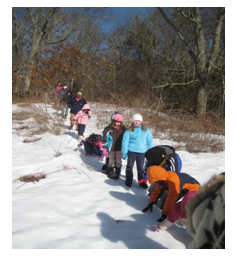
[{"x": 177, "y": 183}]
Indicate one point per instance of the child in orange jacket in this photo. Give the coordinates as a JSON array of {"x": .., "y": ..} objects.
[{"x": 177, "y": 184}]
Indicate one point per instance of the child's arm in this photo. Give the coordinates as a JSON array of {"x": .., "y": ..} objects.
[
  {"x": 149, "y": 140},
  {"x": 77, "y": 115}
]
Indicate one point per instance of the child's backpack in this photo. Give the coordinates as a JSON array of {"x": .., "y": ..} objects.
[{"x": 165, "y": 156}]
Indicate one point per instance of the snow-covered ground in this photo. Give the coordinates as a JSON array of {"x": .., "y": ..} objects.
[{"x": 78, "y": 207}]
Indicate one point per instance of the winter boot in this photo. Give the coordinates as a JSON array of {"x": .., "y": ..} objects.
[
  {"x": 110, "y": 172},
  {"x": 143, "y": 185},
  {"x": 106, "y": 165},
  {"x": 117, "y": 173}
]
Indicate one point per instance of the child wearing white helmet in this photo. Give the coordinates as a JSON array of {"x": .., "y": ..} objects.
[{"x": 136, "y": 141}]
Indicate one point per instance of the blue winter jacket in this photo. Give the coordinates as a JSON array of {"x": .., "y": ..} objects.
[
  {"x": 137, "y": 141},
  {"x": 76, "y": 105}
]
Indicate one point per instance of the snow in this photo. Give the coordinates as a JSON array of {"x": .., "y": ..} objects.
[{"x": 76, "y": 206}]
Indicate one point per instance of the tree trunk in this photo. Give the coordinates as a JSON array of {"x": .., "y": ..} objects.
[
  {"x": 202, "y": 101},
  {"x": 26, "y": 83},
  {"x": 202, "y": 62},
  {"x": 71, "y": 84}
]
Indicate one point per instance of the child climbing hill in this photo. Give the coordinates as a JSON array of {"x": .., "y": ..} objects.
[{"x": 82, "y": 118}]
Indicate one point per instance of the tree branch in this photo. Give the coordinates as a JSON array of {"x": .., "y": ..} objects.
[
  {"x": 175, "y": 84},
  {"x": 179, "y": 33}
]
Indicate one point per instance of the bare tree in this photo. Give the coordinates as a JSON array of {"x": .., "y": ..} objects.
[
  {"x": 204, "y": 60},
  {"x": 46, "y": 26}
]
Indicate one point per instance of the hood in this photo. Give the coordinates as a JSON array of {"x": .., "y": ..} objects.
[
  {"x": 86, "y": 106},
  {"x": 156, "y": 173}
]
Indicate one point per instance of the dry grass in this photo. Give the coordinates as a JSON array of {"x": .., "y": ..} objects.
[
  {"x": 188, "y": 132},
  {"x": 37, "y": 176},
  {"x": 28, "y": 140},
  {"x": 32, "y": 177},
  {"x": 44, "y": 119}
]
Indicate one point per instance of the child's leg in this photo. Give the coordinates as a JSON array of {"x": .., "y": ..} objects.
[
  {"x": 66, "y": 112},
  {"x": 71, "y": 119},
  {"x": 118, "y": 164},
  {"x": 140, "y": 160},
  {"x": 111, "y": 159},
  {"x": 87, "y": 146},
  {"x": 118, "y": 159},
  {"x": 95, "y": 149},
  {"x": 130, "y": 162},
  {"x": 110, "y": 168},
  {"x": 81, "y": 129}
]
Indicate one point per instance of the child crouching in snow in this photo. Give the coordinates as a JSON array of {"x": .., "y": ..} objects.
[
  {"x": 178, "y": 212},
  {"x": 93, "y": 145},
  {"x": 82, "y": 118}
]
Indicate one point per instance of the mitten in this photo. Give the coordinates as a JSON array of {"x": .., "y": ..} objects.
[
  {"x": 105, "y": 152},
  {"x": 74, "y": 121},
  {"x": 163, "y": 217},
  {"x": 149, "y": 207},
  {"x": 156, "y": 228},
  {"x": 142, "y": 180},
  {"x": 101, "y": 158},
  {"x": 80, "y": 144},
  {"x": 125, "y": 156}
]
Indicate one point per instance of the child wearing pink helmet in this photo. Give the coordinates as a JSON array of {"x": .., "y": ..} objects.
[{"x": 112, "y": 141}]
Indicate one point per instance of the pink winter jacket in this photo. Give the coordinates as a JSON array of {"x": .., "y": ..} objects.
[
  {"x": 81, "y": 116},
  {"x": 99, "y": 143}
]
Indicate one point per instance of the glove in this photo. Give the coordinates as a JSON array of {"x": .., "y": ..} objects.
[
  {"x": 156, "y": 228},
  {"x": 142, "y": 180},
  {"x": 149, "y": 207},
  {"x": 74, "y": 121},
  {"x": 163, "y": 217},
  {"x": 125, "y": 156},
  {"x": 101, "y": 157},
  {"x": 80, "y": 144},
  {"x": 105, "y": 152}
]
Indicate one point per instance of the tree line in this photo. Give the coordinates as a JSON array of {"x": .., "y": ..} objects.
[{"x": 167, "y": 59}]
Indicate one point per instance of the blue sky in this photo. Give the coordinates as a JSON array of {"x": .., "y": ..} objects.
[{"x": 123, "y": 13}]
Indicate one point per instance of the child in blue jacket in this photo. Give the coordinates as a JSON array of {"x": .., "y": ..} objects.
[{"x": 136, "y": 141}]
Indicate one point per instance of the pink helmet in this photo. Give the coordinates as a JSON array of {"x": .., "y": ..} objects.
[{"x": 118, "y": 117}]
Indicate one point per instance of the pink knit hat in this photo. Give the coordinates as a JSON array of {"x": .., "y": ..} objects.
[{"x": 118, "y": 117}]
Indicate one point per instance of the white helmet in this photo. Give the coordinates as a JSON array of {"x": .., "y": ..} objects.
[{"x": 137, "y": 117}]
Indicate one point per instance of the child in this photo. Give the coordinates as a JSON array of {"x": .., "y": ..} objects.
[
  {"x": 177, "y": 184},
  {"x": 178, "y": 212},
  {"x": 82, "y": 119},
  {"x": 136, "y": 140},
  {"x": 166, "y": 157},
  {"x": 93, "y": 145},
  {"x": 112, "y": 140},
  {"x": 105, "y": 148}
]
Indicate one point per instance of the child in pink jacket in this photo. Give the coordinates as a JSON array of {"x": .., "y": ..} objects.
[
  {"x": 178, "y": 212},
  {"x": 93, "y": 145},
  {"x": 82, "y": 118}
]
